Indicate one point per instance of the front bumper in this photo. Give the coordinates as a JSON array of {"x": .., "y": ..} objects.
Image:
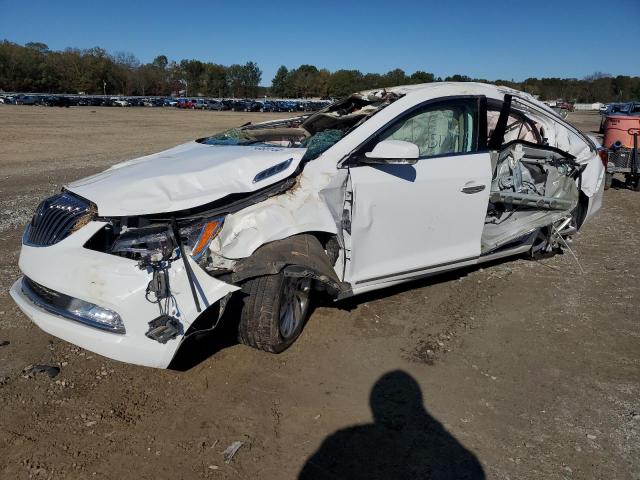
[{"x": 114, "y": 283}]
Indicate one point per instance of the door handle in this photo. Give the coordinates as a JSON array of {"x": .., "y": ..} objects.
[{"x": 473, "y": 189}]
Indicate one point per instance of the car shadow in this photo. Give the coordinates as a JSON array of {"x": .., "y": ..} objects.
[
  {"x": 203, "y": 341},
  {"x": 403, "y": 442},
  {"x": 351, "y": 303},
  {"x": 403, "y": 172},
  {"x": 200, "y": 345}
]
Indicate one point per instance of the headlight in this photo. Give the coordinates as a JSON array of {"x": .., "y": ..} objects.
[
  {"x": 197, "y": 237},
  {"x": 142, "y": 242},
  {"x": 158, "y": 243}
]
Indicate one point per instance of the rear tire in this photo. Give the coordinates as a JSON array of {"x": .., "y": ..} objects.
[{"x": 274, "y": 311}]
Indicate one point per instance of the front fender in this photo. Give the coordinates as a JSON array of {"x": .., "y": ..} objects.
[{"x": 301, "y": 256}]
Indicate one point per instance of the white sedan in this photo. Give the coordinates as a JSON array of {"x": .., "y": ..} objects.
[{"x": 380, "y": 188}]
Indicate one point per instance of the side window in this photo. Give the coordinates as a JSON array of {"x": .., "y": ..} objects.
[
  {"x": 438, "y": 129},
  {"x": 518, "y": 128}
]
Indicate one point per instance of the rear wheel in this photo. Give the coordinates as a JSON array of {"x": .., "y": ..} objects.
[
  {"x": 274, "y": 311},
  {"x": 542, "y": 246}
]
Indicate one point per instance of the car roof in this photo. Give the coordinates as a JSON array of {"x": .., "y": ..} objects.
[
  {"x": 442, "y": 89},
  {"x": 447, "y": 89}
]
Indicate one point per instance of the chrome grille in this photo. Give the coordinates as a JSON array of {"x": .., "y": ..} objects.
[{"x": 54, "y": 219}]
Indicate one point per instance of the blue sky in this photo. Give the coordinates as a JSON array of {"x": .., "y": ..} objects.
[{"x": 486, "y": 39}]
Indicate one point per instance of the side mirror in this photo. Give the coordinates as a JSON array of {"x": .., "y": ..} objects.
[{"x": 392, "y": 152}]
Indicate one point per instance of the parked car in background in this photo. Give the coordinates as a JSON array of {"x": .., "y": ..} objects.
[
  {"x": 26, "y": 100},
  {"x": 217, "y": 105},
  {"x": 568, "y": 106},
  {"x": 268, "y": 106},
  {"x": 199, "y": 104},
  {"x": 186, "y": 103},
  {"x": 238, "y": 105},
  {"x": 56, "y": 101},
  {"x": 380, "y": 188},
  {"x": 243, "y": 105}
]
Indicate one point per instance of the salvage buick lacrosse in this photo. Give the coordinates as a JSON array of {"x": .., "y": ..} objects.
[{"x": 380, "y": 188}]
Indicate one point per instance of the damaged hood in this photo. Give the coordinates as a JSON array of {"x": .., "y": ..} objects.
[{"x": 183, "y": 177}]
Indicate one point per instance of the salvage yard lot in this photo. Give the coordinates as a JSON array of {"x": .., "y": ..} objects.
[{"x": 531, "y": 369}]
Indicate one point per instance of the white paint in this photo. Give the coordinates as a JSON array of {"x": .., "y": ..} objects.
[
  {"x": 115, "y": 283},
  {"x": 182, "y": 177},
  {"x": 407, "y": 217}
]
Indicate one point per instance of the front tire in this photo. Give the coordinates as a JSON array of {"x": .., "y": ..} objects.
[{"x": 274, "y": 311}]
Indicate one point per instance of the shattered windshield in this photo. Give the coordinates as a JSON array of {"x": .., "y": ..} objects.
[{"x": 316, "y": 132}]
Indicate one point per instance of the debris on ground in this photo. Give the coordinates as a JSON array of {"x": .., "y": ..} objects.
[
  {"x": 231, "y": 450},
  {"x": 31, "y": 370}
]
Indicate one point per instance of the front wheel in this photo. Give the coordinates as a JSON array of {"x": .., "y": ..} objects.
[{"x": 274, "y": 311}]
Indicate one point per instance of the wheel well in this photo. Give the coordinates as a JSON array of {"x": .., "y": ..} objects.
[
  {"x": 581, "y": 209},
  {"x": 303, "y": 255}
]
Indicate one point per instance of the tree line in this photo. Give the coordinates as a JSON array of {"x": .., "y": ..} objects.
[{"x": 33, "y": 67}]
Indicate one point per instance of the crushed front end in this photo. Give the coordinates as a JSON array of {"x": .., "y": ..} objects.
[{"x": 126, "y": 288}]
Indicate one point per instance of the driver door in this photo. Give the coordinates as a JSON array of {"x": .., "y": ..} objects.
[{"x": 411, "y": 220}]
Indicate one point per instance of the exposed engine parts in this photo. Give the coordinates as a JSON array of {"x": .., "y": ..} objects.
[{"x": 166, "y": 326}]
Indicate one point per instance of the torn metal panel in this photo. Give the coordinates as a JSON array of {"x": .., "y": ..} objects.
[
  {"x": 532, "y": 187},
  {"x": 301, "y": 209},
  {"x": 114, "y": 283},
  {"x": 302, "y": 255}
]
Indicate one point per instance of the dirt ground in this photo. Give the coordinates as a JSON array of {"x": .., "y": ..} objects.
[{"x": 517, "y": 370}]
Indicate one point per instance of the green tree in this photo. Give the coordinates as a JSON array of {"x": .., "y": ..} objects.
[
  {"x": 303, "y": 80},
  {"x": 421, "y": 77},
  {"x": 216, "y": 80},
  {"x": 394, "y": 78},
  {"x": 280, "y": 83},
  {"x": 234, "y": 80},
  {"x": 251, "y": 76},
  {"x": 345, "y": 82},
  {"x": 160, "y": 62}
]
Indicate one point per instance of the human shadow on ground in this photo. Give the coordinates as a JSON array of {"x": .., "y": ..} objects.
[{"x": 403, "y": 442}]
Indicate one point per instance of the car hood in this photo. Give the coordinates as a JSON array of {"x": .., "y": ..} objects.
[{"x": 183, "y": 177}]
